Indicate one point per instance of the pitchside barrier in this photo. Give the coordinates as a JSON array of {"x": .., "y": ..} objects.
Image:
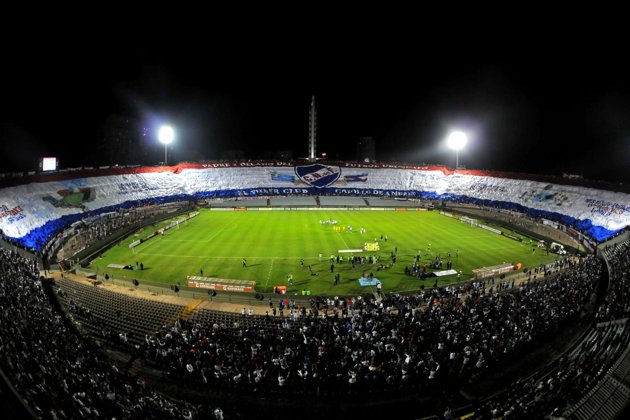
[
  {"x": 494, "y": 270},
  {"x": 213, "y": 283},
  {"x": 474, "y": 222},
  {"x": 158, "y": 289}
]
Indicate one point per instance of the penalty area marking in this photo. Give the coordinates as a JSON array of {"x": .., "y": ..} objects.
[
  {"x": 221, "y": 230},
  {"x": 144, "y": 248}
]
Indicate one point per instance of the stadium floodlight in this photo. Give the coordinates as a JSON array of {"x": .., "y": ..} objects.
[
  {"x": 166, "y": 136},
  {"x": 456, "y": 141}
]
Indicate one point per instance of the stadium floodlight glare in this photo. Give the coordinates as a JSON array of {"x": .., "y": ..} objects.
[
  {"x": 166, "y": 136},
  {"x": 456, "y": 141}
]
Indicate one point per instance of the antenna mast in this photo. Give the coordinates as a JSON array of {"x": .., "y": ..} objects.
[{"x": 312, "y": 131}]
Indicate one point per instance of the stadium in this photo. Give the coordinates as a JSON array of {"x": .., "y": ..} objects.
[
  {"x": 452, "y": 243},
  {"x": 261, "y": 289}
]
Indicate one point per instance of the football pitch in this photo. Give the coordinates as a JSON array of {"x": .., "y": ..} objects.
[{"x": 275, "y": 243}]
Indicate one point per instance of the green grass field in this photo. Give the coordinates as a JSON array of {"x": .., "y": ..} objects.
[{"x": 274, "y": 242}]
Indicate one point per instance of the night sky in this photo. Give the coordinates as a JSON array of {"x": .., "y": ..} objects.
[{"x": 547, "y": 108}]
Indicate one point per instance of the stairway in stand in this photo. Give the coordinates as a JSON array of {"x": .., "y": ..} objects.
[{"x": 189, "y": 309}]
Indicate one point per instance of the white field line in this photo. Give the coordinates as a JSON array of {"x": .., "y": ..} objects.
[
  {"x": 221, "y": 230},
  {"x": 256, "y": 257},
  {"x": 269, "y": 275},
  {"x": 166, "y": 238},
  {"x": 344, "y": 241},
  {"x": 145, "y": 247}
]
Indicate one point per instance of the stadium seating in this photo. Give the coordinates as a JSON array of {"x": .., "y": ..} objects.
[
  {"x": 293, "y": 201},
  {"x": 333, "y": 201},
  {"x": 591, "y": 380},
  {"x": 115, "y": 312},
  {"x": 58, "y": 373},
  {"x": 261, "y": 202},
  {"x": 381, "y": 202}
]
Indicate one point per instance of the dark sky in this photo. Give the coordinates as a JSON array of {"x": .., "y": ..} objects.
[{"x": 539, "y": 107}]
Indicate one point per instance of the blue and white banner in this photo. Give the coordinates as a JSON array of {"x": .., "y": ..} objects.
[
  {"x": 318, "y": 175},
  {"x": 31, "y": 213},
  {"x": 356, "y": 177}
]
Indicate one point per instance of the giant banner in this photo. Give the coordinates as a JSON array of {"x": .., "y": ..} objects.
[{"x": 31, "y": 213}]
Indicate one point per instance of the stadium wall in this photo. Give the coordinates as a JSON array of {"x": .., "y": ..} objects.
[{"x": 33, "y": 212}]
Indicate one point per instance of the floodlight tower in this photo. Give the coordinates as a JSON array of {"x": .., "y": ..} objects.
[
  {"x": 456, "y": 141},
  {"x": 312, "y": 131},
  {"x": 166, "y": 136}
]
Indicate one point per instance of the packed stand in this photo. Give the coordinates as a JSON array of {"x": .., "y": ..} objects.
[
  {"x": 553, "y": 390},
  {"x": 617, "y": 301},
  {"x": 89, "y": 231},
  {"x": 557, "y": 391},
  {"x": 359, "y": 345},
  {"x": 57, "y": 372},
  {"x": 92, "y": 229}
]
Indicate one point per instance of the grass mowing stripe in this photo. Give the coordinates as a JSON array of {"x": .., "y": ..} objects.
[
  {"x": 220, "y": 230},
  {"x": 274, "y": 242},
  {"x": 218, "y": 257}
]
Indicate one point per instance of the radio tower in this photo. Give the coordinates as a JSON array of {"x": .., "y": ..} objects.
[{"x": 312, "y": 131}]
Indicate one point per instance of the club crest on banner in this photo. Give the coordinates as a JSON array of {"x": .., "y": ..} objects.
[{"x": 318, "y": 175}]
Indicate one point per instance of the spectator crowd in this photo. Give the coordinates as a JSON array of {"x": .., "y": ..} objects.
[
  {"x": 558, "y": 389},
  {"x": 366, "y": 344},
  {"x": 58, "y": 373}
]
